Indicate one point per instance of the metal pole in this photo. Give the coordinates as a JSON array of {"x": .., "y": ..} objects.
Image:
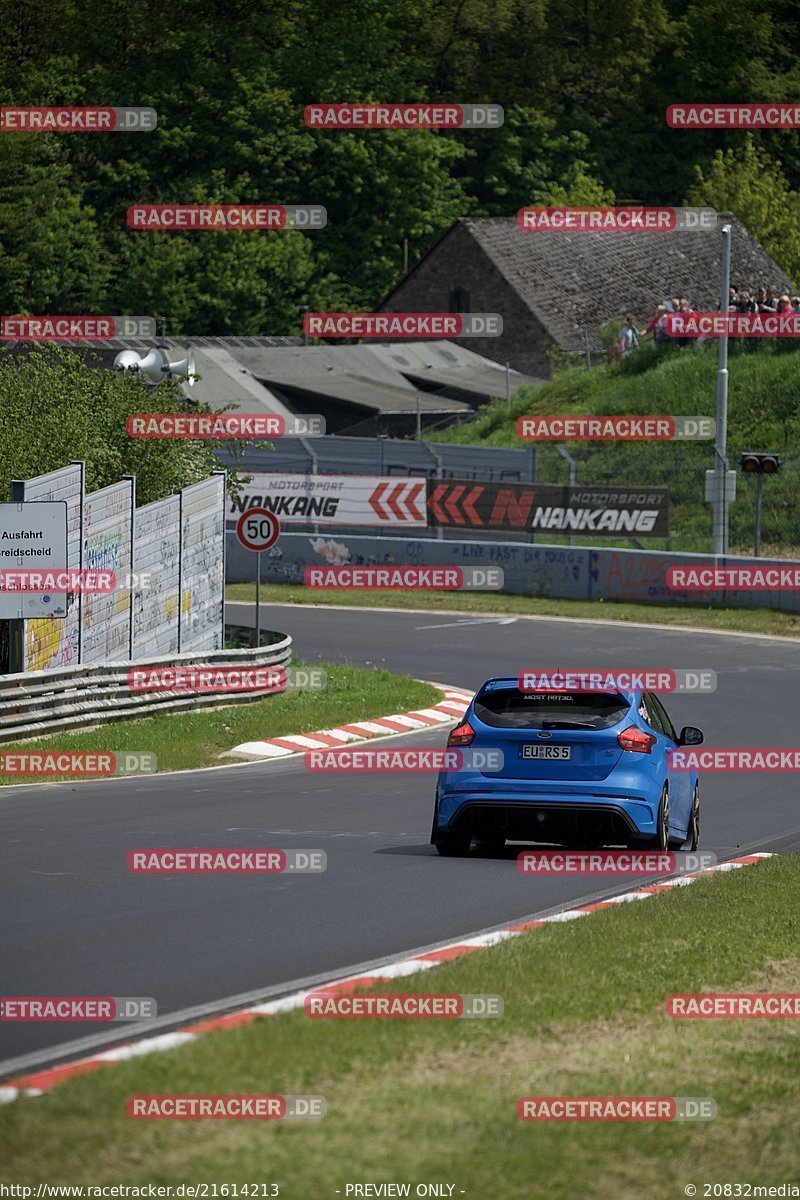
[
  {"x": 759, "y": 495},
  {"x": 179, "y": 493},
  {"x": 508, "y": 384},
  {"x": 587, "y": 350},
  {"x": 78, "y": 598},
  {"x": 223, "y": 472},
  {"x": 572, "y": 478},
  {"x": 405, "y": 256},
  {"x": 132, "y": 568},
  {"x": 720, "y": 520},
  {"x": 309, "y": 449},
  {"x": 439, "y": 477},
  {"x": 419, "y": 419},
  {"x": 258, "y": 599},
  {"x": 532, "y": 473},
  {"x": 16, "y": 625}
]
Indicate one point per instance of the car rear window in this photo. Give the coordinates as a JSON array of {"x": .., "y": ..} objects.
[{"x": 509, "y": 708}]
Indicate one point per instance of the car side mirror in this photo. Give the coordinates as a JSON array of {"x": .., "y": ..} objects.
[{"x": 690, "y": 736}]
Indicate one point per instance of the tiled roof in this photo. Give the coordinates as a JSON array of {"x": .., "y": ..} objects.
[{"x": 573, "y": 282}]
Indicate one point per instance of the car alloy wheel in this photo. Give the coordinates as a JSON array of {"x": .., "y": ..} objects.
[
  {"x": 694, "y": 820},
  {"x": 660, "y": 839},
  {"x": 663, "y": 821}
]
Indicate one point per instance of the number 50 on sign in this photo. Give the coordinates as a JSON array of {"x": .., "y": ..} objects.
[{"x": 257, "y": 530}]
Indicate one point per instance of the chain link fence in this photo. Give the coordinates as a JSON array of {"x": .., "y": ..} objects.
[{"x": 681, "y": 469}]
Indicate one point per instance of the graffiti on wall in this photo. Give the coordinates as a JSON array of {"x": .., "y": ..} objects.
[
  {"x": 182, "y": 562},
  {"x": 46, "y": 646},
  {"x": 107, "y": 546},
  {"x": 202, "y": 571}
]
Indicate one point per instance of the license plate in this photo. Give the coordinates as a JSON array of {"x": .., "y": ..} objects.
[{"x": 537, "y": 751}]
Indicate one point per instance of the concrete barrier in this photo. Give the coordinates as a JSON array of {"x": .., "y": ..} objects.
[{"x": 560, "y": 572}]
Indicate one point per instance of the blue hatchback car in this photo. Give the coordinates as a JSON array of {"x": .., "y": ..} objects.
[{"x": 581, "y": 769}]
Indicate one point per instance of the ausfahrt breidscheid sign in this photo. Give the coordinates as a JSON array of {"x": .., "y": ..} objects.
[{"x": 33, "y": 534}]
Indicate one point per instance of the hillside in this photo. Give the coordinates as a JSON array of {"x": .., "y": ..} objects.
[{"x": 763, "y": 414}]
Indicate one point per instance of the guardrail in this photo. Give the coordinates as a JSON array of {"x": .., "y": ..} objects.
[{"x": 41, "y": 702}]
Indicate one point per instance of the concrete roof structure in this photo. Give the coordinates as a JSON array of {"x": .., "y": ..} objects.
[{"x": 347, "y": 384}]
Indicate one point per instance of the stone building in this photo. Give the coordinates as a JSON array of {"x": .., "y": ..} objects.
[{"x": 557, "y": 289}]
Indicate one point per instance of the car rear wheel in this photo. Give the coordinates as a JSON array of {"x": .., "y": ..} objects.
[
  {"x": 450, "y": 845},
  {"x": 693, "y": 830},
  {"x": 491, "y": 843},
  {"x": 660, "y": 840},
  {"x": 454, "y": 848}
]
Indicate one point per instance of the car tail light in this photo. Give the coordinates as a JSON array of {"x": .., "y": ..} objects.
[
  {"x": 461, "y": 736},
  {"x": 634, "y": 738}
]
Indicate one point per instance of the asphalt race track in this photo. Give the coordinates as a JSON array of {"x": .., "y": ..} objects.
[{"x": 81, "y": 925}]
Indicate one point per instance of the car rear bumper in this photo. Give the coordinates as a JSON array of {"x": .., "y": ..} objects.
[{"x": 547, "y": 817}]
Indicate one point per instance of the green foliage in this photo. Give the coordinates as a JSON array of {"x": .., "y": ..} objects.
[
  {"x": 55, "y": 409},
  {"x": 52, "y": 258},
  {"x": 584, "y": 85},
  {"x": 748, "y": 183},
  {"x": 763, "y": 414},
  {"x": 609, "y": 331}
]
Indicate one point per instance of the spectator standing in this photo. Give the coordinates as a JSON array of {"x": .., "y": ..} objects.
[
  {"x": 685, "y": 310},
  {"x": 629, "y": 336},
  {"x": 784, "y": 307},
  {"x": 764, "y": 304},
  {"x": 656, "y": 323},
  {"x": 746, "y": 305}
]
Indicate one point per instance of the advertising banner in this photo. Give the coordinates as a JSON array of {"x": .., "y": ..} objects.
[
  {"x": 368, "y": 500},
  {"x": 542, "y": 507}
]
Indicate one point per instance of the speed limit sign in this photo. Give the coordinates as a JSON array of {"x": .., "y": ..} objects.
[{"x": 258, "y": 529}]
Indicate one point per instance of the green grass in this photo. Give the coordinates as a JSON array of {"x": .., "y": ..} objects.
[
  {"x": 196, "y": 739},
  {"x": 763, "y": 414},
  {"x": 424, "y": 1101},
  {"x": 744, "y": 620}
]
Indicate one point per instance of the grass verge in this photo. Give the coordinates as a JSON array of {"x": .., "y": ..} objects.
[
  {"x": 424, "y": 1101},
  {"x": 196, "y": 739},
  {"x": 763, "y": 414},
  {"x": 743, "y": 620}
]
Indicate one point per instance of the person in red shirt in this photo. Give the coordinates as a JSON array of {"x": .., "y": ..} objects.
[{"x": 657, "y": 326}]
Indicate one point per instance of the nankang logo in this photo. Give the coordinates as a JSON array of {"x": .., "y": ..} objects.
[
  {"x": 291, "y": 506},
  {"x": 622, "y": 520}
]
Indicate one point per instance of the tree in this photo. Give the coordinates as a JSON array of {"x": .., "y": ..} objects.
[
  {"x": 54, "y": 408},
  {"x": 746, "y": 182},
  {"x": 52, "y": 257}
]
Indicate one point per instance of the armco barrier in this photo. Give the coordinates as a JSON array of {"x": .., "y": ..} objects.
[
  {"x": 559, "y": 572},
  {"x": 36, "y": 703}
]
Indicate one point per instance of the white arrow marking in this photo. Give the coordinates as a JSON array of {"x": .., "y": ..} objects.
[{"x": 478, "y": 621}]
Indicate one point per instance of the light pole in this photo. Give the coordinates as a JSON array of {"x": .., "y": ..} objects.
[{"x": 720, "y": 522}]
